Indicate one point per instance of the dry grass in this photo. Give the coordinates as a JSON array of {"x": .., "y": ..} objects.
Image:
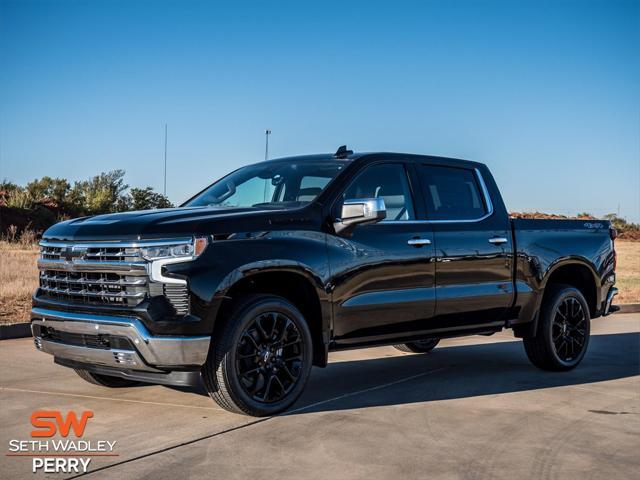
[
  {"x": 19, "y": 278},
  {"x": 628, "y": 272}
]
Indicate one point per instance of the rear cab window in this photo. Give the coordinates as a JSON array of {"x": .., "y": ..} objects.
[{"x": 451, "y": 193}]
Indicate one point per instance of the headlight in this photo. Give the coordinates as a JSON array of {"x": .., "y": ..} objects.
[{"x": 185, "y": 250}]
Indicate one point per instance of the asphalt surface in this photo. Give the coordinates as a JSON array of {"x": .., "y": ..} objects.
[{"x": 473, "y": 409}]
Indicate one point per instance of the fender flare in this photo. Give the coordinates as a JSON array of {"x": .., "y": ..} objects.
[
  {"x": 570, "y": 260},
  {"x": 555, "y": 265},
  {"x": 248, "y": 270},
  {"x": 267, "y": 266}
]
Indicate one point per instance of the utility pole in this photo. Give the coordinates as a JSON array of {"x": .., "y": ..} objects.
[
  {"x": 165, "y": 160},
  {"x": 267, "y": 132}
]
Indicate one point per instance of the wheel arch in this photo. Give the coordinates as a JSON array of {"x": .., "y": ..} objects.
[
  {"x": 576, "y": 272},
  {"x": 579, "y": 273},
  {"x": 291, "y": 280}
]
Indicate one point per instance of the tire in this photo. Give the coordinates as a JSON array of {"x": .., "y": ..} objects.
[
  {"x": 421, "y": 346},
  {"x": 564, "y": 326},
  {"x": 261, "y": 362},
  {"x": 104, "y": 380}
]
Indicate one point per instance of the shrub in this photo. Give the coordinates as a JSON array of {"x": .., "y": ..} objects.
[{"x": 45, "y": 201}]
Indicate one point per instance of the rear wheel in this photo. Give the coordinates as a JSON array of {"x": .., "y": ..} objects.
[
  {"x": 261, "y": 362},
  {"x": 563, "y": 330},
  {"x": 421, "y": 346},
  {"x": 104, "y": 380}
]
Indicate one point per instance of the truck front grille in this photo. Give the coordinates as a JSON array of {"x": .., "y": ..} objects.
[
  {"x": 102, "y": 273},
  {"x": 94, "y": 287},
  {"x": 96, "y": 254}
]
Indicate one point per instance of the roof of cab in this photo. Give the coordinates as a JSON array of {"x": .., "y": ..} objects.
[{"x": 364, "y": 156}]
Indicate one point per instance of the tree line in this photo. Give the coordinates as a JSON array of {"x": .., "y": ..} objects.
[
  {"x": 46, "y": 200},
  {"x": 103, "y": 193}
]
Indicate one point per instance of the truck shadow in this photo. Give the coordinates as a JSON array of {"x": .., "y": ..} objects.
[{"x": 452, "y": 372}]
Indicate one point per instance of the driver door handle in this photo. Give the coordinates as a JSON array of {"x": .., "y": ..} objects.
[
  {"x": 498, "y": 240},
  {"x": 418, "y": 242}
]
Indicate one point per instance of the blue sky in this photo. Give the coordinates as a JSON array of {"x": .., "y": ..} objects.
[{"x": 546, "y": 93}]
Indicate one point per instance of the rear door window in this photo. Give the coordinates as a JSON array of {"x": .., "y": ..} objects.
[{"x": 451, "y": 193}]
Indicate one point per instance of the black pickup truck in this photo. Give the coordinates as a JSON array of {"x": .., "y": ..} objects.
[{"x": 260, "y": 275}]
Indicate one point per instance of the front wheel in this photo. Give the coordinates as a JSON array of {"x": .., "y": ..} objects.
[
  {"x": 262, "y": 359},
  {"x": 563, "y": 330}
]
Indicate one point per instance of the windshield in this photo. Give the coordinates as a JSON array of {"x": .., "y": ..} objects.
[{"x": 270, "y": 185}]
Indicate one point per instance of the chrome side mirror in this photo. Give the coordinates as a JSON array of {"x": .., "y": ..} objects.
[{"x": 361, "y": 211}]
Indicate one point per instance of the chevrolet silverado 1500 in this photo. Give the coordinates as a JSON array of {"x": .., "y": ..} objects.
[{"x": 259, "y": 276}]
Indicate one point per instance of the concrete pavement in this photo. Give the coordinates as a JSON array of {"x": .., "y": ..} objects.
[{"x": 473, "y": 409}]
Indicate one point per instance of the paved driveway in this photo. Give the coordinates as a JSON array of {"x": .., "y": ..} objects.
[{"x": 472, "y": 409}]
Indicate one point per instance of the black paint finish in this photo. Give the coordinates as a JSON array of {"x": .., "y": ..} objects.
[{"x": 372, "y": 287}]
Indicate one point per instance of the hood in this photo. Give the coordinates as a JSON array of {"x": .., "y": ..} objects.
[{"x": 160, "y": 223}]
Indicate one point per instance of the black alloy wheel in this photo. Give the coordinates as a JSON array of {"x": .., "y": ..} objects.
[
  {"x": 569, "y": 332},
  {"x": 260, "y": 358},
  {"x": 562, "y": 336},
  {"x": 269, "y": 357}
]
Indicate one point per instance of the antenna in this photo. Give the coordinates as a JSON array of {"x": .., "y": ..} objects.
[
  {"x": 342, "y": 152},
  {"x": 267, "y": 132},
  {"x": 165, "y": 160}
]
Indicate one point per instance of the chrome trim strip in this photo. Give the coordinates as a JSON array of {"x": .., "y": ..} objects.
[
  {"x": 122, "y": 268},
  {"x": 117, "y": 254},
  {"x": 116, "y": 243},
  {"x": 87, "y": 293},
  {"x": 487, "y": 200},
  {"x": 153, "y": 350},
  {"x": 155, "y": 270},
  {"x": 485, "y": 192},
  {"x": 83, "y": 281}
]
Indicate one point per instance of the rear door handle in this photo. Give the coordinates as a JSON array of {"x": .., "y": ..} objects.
[
  {"x": 418, "y": 242},
  {"x": 498, "y": 240}
]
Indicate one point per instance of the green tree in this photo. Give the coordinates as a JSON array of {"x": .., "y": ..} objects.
[
  {"x": 146, "y": 198},
  {"x": 7, "y": 187},
  {"x": 47, "y": 187},
  {"x": 101, "y": 194},
  {"x": 19, "y": 198},
  {"x": 13, "y": 195}
]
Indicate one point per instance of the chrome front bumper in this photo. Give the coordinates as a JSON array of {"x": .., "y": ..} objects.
[{"x": 148, "y": 353}]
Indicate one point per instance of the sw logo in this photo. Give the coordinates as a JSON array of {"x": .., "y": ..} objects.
[{"x": 50, "y": 422}]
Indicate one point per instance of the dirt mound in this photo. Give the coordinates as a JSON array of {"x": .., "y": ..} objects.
[
  {"x": 548, "y": 216},
  {"x": 626, "y": 231}
]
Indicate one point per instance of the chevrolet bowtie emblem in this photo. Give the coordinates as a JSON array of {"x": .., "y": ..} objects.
[{"x": 71, "y": 253}]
